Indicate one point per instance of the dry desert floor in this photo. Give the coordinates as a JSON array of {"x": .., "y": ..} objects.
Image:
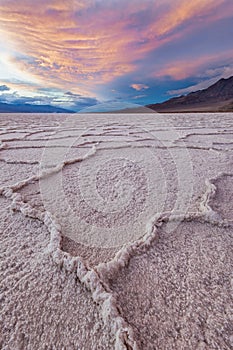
[{"x": 116, "y": 231}]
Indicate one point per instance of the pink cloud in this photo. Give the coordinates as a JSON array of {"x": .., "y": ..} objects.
[
  {"x": 139, "y": 87},
  {"x": 198, "y": 66},
  {"x": 81, "y": 44}
]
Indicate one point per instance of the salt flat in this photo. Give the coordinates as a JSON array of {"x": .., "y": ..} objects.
[{"x": 116, "y": 231}]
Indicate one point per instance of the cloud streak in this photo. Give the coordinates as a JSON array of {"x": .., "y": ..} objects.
[
  {"x": 75, "y": 102},
  {"x": 81, "y": 46}
]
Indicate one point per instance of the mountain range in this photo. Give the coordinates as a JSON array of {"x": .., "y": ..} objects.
[
  {"x": 31, "y": 108},
  {"x": 216, "y": 98}
]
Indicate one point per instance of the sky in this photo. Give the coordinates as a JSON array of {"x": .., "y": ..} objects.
[{"x": 78, "y": 54}]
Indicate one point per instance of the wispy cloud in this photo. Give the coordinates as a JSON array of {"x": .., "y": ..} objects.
[
  {"x": 69, "y": 100},
  {"x": 81, "y": 46},
  {"x": 200, "y": 66},
  {"x": 206, "y": 78},
  {"x": 137, "y": 97},
  {"x": 90, "y": 41}
]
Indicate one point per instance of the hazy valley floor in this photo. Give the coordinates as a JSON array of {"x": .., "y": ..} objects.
[{"x": 116, "y": 231}]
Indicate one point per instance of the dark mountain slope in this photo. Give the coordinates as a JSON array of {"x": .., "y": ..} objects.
[
  {"x": 27, "y": 108},
  {"x": 217, "y": 97}
]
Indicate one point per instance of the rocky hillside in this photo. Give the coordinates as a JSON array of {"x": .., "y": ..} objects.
[{"x": 217, "y": 97}]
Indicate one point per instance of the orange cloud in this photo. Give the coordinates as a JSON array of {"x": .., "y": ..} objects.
[
  {"x": 180, "y": 12},
  {"x": 58, "y": 43},
  {"x": 80, "y": 44},
  {"x": 139, "y": 87},
  {"x": 182, "y": 69}
]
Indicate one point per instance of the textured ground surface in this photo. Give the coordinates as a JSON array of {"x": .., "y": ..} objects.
[
  {"x": 116, "y": 232},
  {"x": 186, "y": 295}
]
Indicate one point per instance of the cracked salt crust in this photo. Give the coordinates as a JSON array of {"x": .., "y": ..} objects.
[{"x": 170, "y": 288}]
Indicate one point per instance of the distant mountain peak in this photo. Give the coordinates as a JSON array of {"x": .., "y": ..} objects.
[
  {"x": 217, "y": 97},
  {"x": 30, "y": 108}
]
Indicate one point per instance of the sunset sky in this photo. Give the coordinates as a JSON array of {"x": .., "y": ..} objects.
[{"x": 79, "y": 53}]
